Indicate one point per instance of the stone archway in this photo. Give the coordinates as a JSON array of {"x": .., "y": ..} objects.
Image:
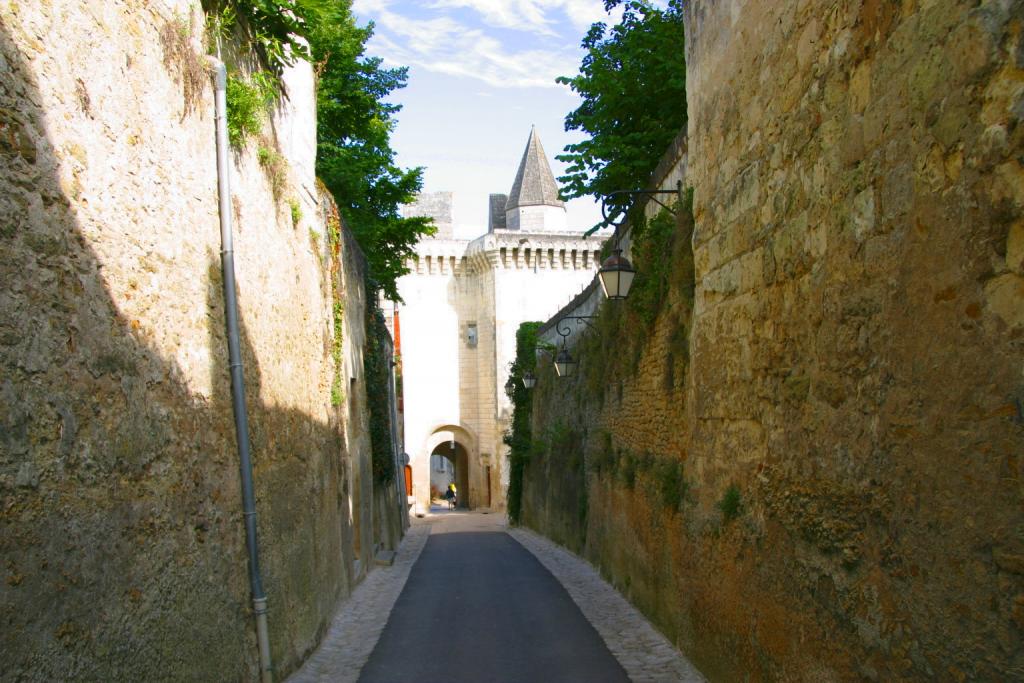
[{"x": 458, "y": 445}]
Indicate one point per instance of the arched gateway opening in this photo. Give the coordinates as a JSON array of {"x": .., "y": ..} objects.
[
  {"x": 448, "y": 456},
  {"x": 449, "y": 462}
]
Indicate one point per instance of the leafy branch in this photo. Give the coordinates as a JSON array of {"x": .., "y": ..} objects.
[{"x": 633, "y": 84}]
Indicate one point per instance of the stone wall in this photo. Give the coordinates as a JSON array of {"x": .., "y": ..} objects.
[
  {"x": 120, "y": 526},
  {"x": 810, "y": 469}
]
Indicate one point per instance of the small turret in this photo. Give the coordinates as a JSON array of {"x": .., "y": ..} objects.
[{"x": 533, "y": 204}]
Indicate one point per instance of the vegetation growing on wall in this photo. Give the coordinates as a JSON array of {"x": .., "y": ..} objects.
[
  {"x": 651, "y": 241},
  {"x": 731, "y": 504},
  {"x": 564, "y": 462},
  {"x": 275, "y": 166},
  {"x": 626, "y": 68},
  {"x": 659, "y": 279},
  {"x": 271, "y": 29},
  {"x": 248, "y": 99},
  {"x": 354, "y": 121},
  {"x": 179, "y": 54},
  {"x": 377, "y": 370},
  {"x": 661, "y": 477},
  {"x": 518, "y": 438},
  {"x": 337, "y": 307}
]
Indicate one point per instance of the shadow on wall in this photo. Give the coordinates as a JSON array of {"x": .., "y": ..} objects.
[{"x": 120, "y": 528}]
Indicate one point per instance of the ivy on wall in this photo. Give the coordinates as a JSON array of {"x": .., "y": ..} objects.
[
  {"x": 356, "y": 112},
  {"x": 519, "y": 437},
  {"x": 337, "y": 305},
  {"x": 376, "y": 359},
  {"x": 377, "y": 370},
  {"x": 662, "y": 252},
  {"x": 556, "y": 455}
]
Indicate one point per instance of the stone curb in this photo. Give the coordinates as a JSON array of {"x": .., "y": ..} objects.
[
  {"x": 361, "y": 618},
  {"x": 645, "y": 654}
]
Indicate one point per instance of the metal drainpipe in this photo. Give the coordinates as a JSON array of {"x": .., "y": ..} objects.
[
  {"x": 259, "y": 598},
  {"x": 396, "y": 447}
]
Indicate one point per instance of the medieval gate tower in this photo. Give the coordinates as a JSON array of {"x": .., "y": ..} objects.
[{"x": 463, "y": 302}]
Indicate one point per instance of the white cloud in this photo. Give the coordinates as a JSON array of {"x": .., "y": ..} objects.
[
  {"x": 365, "y": 8},
  {"x": 537, "y": 16},
  {"x": 523, "y": 15},
  {"x": 583, "y": 13},
  {"x": 444, "y": 45}
]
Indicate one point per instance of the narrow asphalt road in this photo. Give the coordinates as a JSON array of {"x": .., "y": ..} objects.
[{"x": 479, "y": 607}]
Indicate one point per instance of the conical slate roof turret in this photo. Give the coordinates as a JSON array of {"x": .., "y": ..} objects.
[{"x": 535, "y": 183}]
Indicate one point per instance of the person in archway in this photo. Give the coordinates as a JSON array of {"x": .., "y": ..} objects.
[{"x": 451, "y": 495}]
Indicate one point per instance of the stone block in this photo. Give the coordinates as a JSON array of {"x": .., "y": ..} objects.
[
  {"x": 1004, "y": 296},
  {"x": 862, "y": 214},
  {"x": 860, "y": 87},
  {"x": 1015, "y": 247}
]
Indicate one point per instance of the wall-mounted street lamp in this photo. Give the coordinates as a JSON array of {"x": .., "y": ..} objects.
[
  {"x": 529, "y": 380},
  {"x": 616, "y": 275},
  {"x": 565, "y": 364},
  {"x": 616, "y": 272}
]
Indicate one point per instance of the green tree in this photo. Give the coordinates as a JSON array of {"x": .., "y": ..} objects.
[
  {"x": 633, "y": 84},
  {"x": 354, "y": 155},
  {"x": 354, "y": 122}
]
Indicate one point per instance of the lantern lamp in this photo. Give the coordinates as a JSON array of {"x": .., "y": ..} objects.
[
  {"x": 564, "y": 363},
  {"x": 616, "y": 275}
]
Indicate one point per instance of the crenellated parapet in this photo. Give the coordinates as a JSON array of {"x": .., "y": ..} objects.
[
  {"x": 511, "y": 250},
  {"x": 439, "y": 257},
  {"x": 507, "y": 250}
]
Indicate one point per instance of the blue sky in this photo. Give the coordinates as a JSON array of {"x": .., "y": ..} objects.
[{"x": 481, "y": 72}]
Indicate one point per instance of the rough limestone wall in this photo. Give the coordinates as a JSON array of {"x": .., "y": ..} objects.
[
  {"x": 857, "y": 351},
  {"x": 120, "y": 526},
  {"x": 610, "y": 446},
  {"x": 855, "y": 355}
]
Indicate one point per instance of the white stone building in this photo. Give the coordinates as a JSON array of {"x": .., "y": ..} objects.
[{"x": 463, "y": 302}]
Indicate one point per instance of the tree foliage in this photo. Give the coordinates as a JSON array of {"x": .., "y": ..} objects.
[
  {"x": 354, "y": 155},
  {"x": 355, "y": 160},
  {"x": 633, "y": 84},
  {"x": 273, "y": 29}
]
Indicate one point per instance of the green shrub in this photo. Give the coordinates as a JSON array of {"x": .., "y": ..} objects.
[
  {"x": 519, "y": 439},
  {"x": 273, "y": 30},
  {"x": 248, "y": 100},
  {"x": 296, "y": 211},
  {"x": 653, "y": 241},
  {"x": 672, "y": 486},
  {"x": 731, "y": 505},
  {"x": 628, "y": 465},
  {"x": 275, "y": 166}
]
